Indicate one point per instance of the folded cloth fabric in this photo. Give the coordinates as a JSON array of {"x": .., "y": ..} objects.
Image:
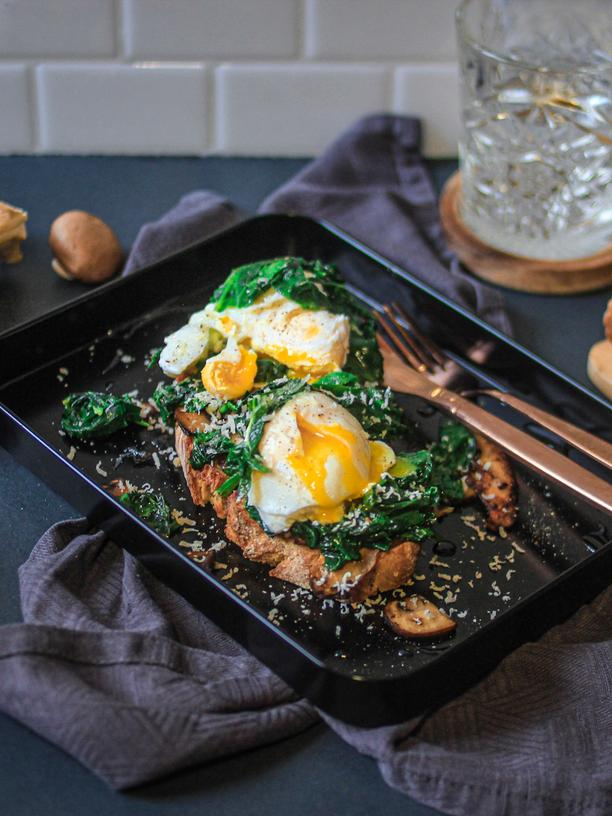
[
  {"x": 124, "y": 674},
  {"x": 129, "y": 678},
  {"x": 197, "y": 215},
  {"x": 532, "y": 739}
]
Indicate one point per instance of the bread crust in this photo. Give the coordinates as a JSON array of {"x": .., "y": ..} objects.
[
  {"x": 492, "y": 480},
  {"x": 289, "y": 558}
]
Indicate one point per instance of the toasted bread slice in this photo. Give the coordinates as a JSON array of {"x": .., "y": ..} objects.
[
  {"x": 12, "y": 220},
  {"x": 492, "y": 480},
  {"x": 290, "y": 559},
  {"x": 12, "y": 232}
]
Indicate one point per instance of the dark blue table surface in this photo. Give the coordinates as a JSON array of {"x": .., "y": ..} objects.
[{"x": 313, "y": 773}]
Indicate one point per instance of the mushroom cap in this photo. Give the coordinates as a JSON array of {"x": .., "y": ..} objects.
[
  {"x": 84, "y": 247},
  {"x": 599, "y": 366}
]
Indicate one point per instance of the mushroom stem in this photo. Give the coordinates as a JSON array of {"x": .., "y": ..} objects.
[{"x": 61, "y": 270}]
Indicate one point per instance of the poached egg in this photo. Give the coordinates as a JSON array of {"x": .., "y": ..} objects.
[
  {"x": 309, "y": 342},
  {"x": 183, "y": 349},
  {"x": 319, "y": 457}
]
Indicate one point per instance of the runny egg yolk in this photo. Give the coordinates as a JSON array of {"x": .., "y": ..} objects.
[
  {"x": 300, "y": 363},
  {"x": 319, "y": 443},
  {"x": 231, "y": 373}
]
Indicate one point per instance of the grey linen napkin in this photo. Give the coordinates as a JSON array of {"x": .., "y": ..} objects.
[
  {"x": 197, "y": 215},
  {"x": 126, "y": 676},
  {"x": 532, "y": 739}
]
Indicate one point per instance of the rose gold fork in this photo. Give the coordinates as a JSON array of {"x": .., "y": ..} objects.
[
  {"x": 426, "y": 356},
  {"x": 403, "y": 378}
]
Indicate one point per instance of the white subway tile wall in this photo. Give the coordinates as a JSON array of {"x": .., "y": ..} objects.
[
  {"x": 234, "y": 77},
  {"x": 431, "y": 92},
  {"x": 203, "y": 29},
  {"x": 57, "y": 28},
  {"x": 122, "y": 108},
  {"x": 290, "y": 109},
  {"x": 15, "y": 121},
  {"x": 370, "y": 29}
]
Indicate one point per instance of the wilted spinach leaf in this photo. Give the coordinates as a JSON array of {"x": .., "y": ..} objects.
[
  {"x": 313, "y": 285},
  {"x": 375, "y": 408},
  {"x": 452, "y": 456},
  {"x": 168, "y": 396},
  {"x": 242, "y": 458},
  {"x": 152, "y": 357},
  {"x": 152, "y": 508},
  {"x": 95, "y": 414},
  {"x": 392, "y": 510},
  {"x": 268, "y": 370},
  {"x": 401, "y": 506}
]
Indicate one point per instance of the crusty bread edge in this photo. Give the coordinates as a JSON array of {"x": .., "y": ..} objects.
[{"x": 289, "y": 559}]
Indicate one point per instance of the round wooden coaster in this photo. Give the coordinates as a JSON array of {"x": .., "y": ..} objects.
[{"x": 515, "y": 271}]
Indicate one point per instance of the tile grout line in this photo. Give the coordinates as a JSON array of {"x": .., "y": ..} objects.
[
  {"x": 119, "y": 31},
  {"x": 301, "y": 31},
  {"x": 35, "y": 112},
  {"x": 115, "y": 59},
  {"x": 210, "y": 126}
]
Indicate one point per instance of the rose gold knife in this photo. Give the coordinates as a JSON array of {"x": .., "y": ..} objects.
[
  {"x": 598, "y": 449},
  {"x": 539, "y": 457}
]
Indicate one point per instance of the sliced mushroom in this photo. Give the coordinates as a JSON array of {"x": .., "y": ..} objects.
[
  {"x": 416, "y": 617},
  {"x": 84, "y": 247},
  {"x": 191, "y": 422},
  {"x": 117, "y": 488}
]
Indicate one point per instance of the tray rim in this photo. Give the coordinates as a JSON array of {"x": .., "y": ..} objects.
[{"x": 172, "y": 551}]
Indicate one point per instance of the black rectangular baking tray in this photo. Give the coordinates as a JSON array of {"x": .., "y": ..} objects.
[{"x": 341, "y": 658}]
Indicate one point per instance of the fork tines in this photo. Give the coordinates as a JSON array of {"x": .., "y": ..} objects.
[{"x": 418, "y": 350}]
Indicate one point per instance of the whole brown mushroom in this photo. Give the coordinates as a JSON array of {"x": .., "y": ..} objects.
[
  {"x": 599, "y": 361},
  {"x": 84, "y": 247}
]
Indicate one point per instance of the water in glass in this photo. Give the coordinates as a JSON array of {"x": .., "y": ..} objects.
[{"x": 536, "y": 153}]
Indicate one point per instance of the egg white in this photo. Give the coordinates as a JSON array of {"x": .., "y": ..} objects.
[
  {"x": 183, "y": 349},
  {"x": 311, "y": 342},
  {"x": 281, "y": 496}
]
